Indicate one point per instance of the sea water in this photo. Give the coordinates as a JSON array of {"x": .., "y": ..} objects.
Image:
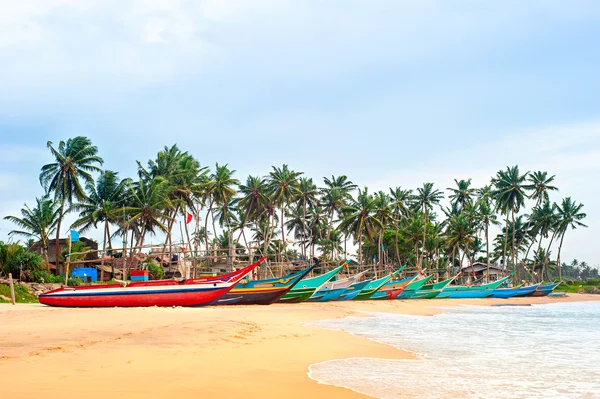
[{"x": 540, "y": 351}]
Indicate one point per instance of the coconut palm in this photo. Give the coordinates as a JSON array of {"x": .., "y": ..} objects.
[
  {"x": 486, "y": 216},
  {"x": 283, "y": 185},
  {"x": 218, "y": 190},
  {"x": 74, "y": 161},
  {"x": 38, "y": 222},
  {"x": 543, "y": 219},
  {"x": 385, "y": 214},
  {"x": 425, "y": 199},
  {"x": 400, "y": 202},
  {"x": 509, "y": 194},
  {"x": 462, "y": 195},
  {"x": 254, "y": 197},
  {"x": 102, "y": 204},
  {"x": 148, "y": 207},
  {"x": 360, "y": 218},
  {"x": 307, "y": 197},
  {"x": 336, "y": 192},
  {"x": 569, "y": 216}
]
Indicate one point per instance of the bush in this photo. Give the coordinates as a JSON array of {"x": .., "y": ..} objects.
[{"x": 155, "y": 271}]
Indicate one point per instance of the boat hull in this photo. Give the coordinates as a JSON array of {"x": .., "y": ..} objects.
[
  {"x": 196, "y": 292},
  {"x": 464, "y": 294},
  {"x": 304, "y": 289},
  {"x": 544, "y": 290},
  {"x": 425, "y": 294},
  {"x": 513, "y": 292},
  {"x": 261, "y": 292},
  {"x": 353, "y": 291}
]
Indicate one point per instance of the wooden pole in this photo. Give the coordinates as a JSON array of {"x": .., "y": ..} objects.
[
  {"x": 68, "y": 261},
  {"x": 12, "y": 288}
]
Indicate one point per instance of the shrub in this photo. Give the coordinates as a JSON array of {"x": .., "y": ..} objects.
[{"x": 155, "y": 271}]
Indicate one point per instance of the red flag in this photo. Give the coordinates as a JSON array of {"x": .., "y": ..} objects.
[{"x": 189, "y": 218}]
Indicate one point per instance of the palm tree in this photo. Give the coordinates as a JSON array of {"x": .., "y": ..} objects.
[
  {"x": 102, "y": 204},
  {"x": 509, "y": 193},
  {"x": 400, "y": 204},
  {"x": 462, "y": 195},
  {"x": 75, "y": 159},
  {"x": 426, "y": 197},
  {"x": 38, "y": 222},
  {"x": 460, "y": 234},
  {"x": 283, "y": 185},
  {"x": 307, "y": 196},
  {"x": 486, "y": 215},
  {"x": 149, "y": 207},
  {"x": 335, "y": 194},
  {"x": 219, "y": 189},
  {"x": 360, "y": 218},
  {"x": 544, "y": 220},
  {"x": 569, "y": 215},
  {"x": 384, "y": 213},
  {"x": 540, "y": 186},
  {"x": 253, "y": 200}
]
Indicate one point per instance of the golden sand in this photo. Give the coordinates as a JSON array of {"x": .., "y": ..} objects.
[{"x": 214, "y": 352}]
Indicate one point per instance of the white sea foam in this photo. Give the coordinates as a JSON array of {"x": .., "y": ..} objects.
[{"x": 545, "y": 351}]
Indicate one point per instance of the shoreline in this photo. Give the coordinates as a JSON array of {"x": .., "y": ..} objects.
[{"x": 254, "y": 351}]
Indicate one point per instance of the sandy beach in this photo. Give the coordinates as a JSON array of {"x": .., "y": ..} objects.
[{"x": 213, "y": 352}]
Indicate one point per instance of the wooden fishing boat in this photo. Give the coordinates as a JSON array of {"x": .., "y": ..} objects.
[
  {"x": 429, "y": 291},
  {"x": 471, "y": 291},
  {"x": 191, "y": 292},
  {"x": 544, "y": 289},
  {"x": 334, "y": 289},
  {"x": 371, "y": 288},
  {"x": 393, "y": 289},
  {"x": 514, "y": 292},
  {"x": 305, "y": 288},
  {"x": 352, "y": 291},
  {"x": 261, "y": 292},
  {"x": 414, "y": 286},
  {"x": 425, "y": 294}
]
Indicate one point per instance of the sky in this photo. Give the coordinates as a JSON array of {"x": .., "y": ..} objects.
[{"x": 388, "y": 92}]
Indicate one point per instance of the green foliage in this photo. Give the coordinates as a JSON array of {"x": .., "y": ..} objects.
[
  {"x": 155, "y": 271},
  {"x": 579, "y": 286},
  {"x": 22, "y": 294},
  {"x": 14, "y": 258}
]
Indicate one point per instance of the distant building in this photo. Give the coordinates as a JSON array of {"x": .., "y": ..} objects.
[
  {"x": 63, "y": 244},
  {"x": 479, "y": 270}
]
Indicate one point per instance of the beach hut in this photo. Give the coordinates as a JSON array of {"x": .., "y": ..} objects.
[{"x": 479, "y": 270}]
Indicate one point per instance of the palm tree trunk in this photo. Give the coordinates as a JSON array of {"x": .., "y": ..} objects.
[
  {"x": 547, "y": 256},
  {"x": 282, "y": 233},
  {"x": 487, "y": 249},
  {"x": 330, "y": 224},
  {"x": 505, "y": 243},
  {"x": 360, "y": 248},
  {"x": 206, "y": 225},
  {"x": 558, "y": 267},
  {"x": 57, "y": 242},
  {"x": 424, "y": 235},
  {"x": 304, "y": 229},
  {"x": 104, "y": 246},
  {"x": 513, "y": 242},
  {"x": 397, "y": 246},
  {"x": 244, "y": 225}
]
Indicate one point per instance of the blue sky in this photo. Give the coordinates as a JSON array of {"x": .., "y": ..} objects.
[{"x": 390, "y": 93}]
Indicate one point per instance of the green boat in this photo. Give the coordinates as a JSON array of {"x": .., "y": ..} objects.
[
  {"x": 305, "y": 288},
  {"x": 429, "y": 291},
  {"x": 413, "y": 287},
  {"x": 425, "y": 294},
  {"x": 372, "y": 288},
  {"x": 472, "y": 291}
]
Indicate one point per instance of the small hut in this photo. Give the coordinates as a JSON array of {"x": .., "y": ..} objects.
[{"x": 479, "y": 270}]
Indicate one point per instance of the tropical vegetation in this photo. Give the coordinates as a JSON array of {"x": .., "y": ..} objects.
[{"x": 287, "y": 215}]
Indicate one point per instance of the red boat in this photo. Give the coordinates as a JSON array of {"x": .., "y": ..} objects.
[{"x": 191, "y": 292}]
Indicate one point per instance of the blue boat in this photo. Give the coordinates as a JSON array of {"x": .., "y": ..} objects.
[
  {"x": 334, "y": 289},
  {"x": 514, "y": 292},
  {"x": 353, "y": 291},
  {"x": 544, "y": 289},
  {"x": 464, "y": 294}
]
